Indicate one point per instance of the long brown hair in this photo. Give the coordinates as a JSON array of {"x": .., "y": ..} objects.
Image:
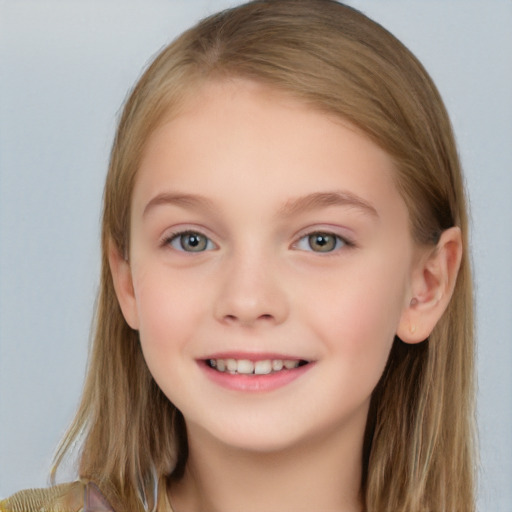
[{"x": 418, "y": 453}]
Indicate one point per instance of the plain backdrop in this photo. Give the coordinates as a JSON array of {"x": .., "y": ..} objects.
[{"x": 65, "y": 69}]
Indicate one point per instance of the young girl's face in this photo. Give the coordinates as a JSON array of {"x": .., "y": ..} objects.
[{"x": 270, "y": 266}]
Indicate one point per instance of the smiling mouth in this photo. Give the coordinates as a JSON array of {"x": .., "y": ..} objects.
[{"x": 247, "y": 367}]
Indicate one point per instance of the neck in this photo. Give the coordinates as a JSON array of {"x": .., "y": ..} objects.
[{"x": 317, "y": 475}]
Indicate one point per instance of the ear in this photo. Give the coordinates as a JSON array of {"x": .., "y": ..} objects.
[
  {"x": 432, "y": 284},
  {"x": 123, "y": 285}
]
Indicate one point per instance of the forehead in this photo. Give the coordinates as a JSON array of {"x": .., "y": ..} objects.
[{"x": 231, "y": 137}]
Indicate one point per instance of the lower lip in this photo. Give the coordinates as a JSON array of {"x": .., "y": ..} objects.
[{"x": 254, "y": 383}]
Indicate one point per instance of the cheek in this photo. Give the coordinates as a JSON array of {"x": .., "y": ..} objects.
[
  {"x": 357, "y": 311},
  {"x": 167, "y": 319},
  {"x": 168, "y": 310}
]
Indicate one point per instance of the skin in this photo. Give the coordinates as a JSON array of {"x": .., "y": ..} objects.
[{"x": 234, "y": 167}]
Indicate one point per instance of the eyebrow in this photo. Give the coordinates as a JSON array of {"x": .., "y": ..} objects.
[
  {"x": 325, "y": 199},
  {"x": 184, "y": 200}
]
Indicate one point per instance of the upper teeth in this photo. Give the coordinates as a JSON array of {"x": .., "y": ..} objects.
[{"x": 248, "y": 367}]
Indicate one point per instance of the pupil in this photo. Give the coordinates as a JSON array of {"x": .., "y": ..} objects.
[{"x": 193, "y": 240}]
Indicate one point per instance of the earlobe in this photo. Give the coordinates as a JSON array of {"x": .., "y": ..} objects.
[
  {"x": 432, "y": 284},
  {"x": 123, "y": 285}
]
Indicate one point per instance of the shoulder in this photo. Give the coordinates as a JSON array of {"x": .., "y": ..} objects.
[{"x": 73, "y": 497}]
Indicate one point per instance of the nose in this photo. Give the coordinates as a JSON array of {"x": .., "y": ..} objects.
[{"x": 252, "y": 292}]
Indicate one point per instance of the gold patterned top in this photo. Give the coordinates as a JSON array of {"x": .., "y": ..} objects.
[
  {"x": 74, "y": 497},
  {"x": 80, "y": 496}
]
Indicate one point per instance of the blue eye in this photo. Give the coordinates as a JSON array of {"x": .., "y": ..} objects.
[
  {"x": 190, "y": 241},
  {"x": 321, "y": 242}
]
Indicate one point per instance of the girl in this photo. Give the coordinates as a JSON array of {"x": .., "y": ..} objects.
[{"x": 285, "y": 312}]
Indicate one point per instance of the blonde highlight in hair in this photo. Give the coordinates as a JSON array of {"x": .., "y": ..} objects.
[{"x": 419, "y": 443}]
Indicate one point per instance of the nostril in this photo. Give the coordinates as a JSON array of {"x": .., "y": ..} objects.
[{"x": 249, "y": 320}]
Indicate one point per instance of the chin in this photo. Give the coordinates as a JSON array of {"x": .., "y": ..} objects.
[{"x": 255, "y": 437}]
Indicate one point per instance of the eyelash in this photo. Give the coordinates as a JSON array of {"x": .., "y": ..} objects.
[{"x": 340, "y": 242}]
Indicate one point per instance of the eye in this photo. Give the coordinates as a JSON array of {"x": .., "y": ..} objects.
[
  {"x": 320, "y": 241},
  {"x": 190, "y": 241}
]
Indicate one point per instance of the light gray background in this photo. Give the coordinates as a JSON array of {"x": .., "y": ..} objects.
[{"x": 65, "y": 69}]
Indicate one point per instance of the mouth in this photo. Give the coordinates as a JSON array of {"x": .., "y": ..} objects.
[{"x": 248, "y": 367}]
